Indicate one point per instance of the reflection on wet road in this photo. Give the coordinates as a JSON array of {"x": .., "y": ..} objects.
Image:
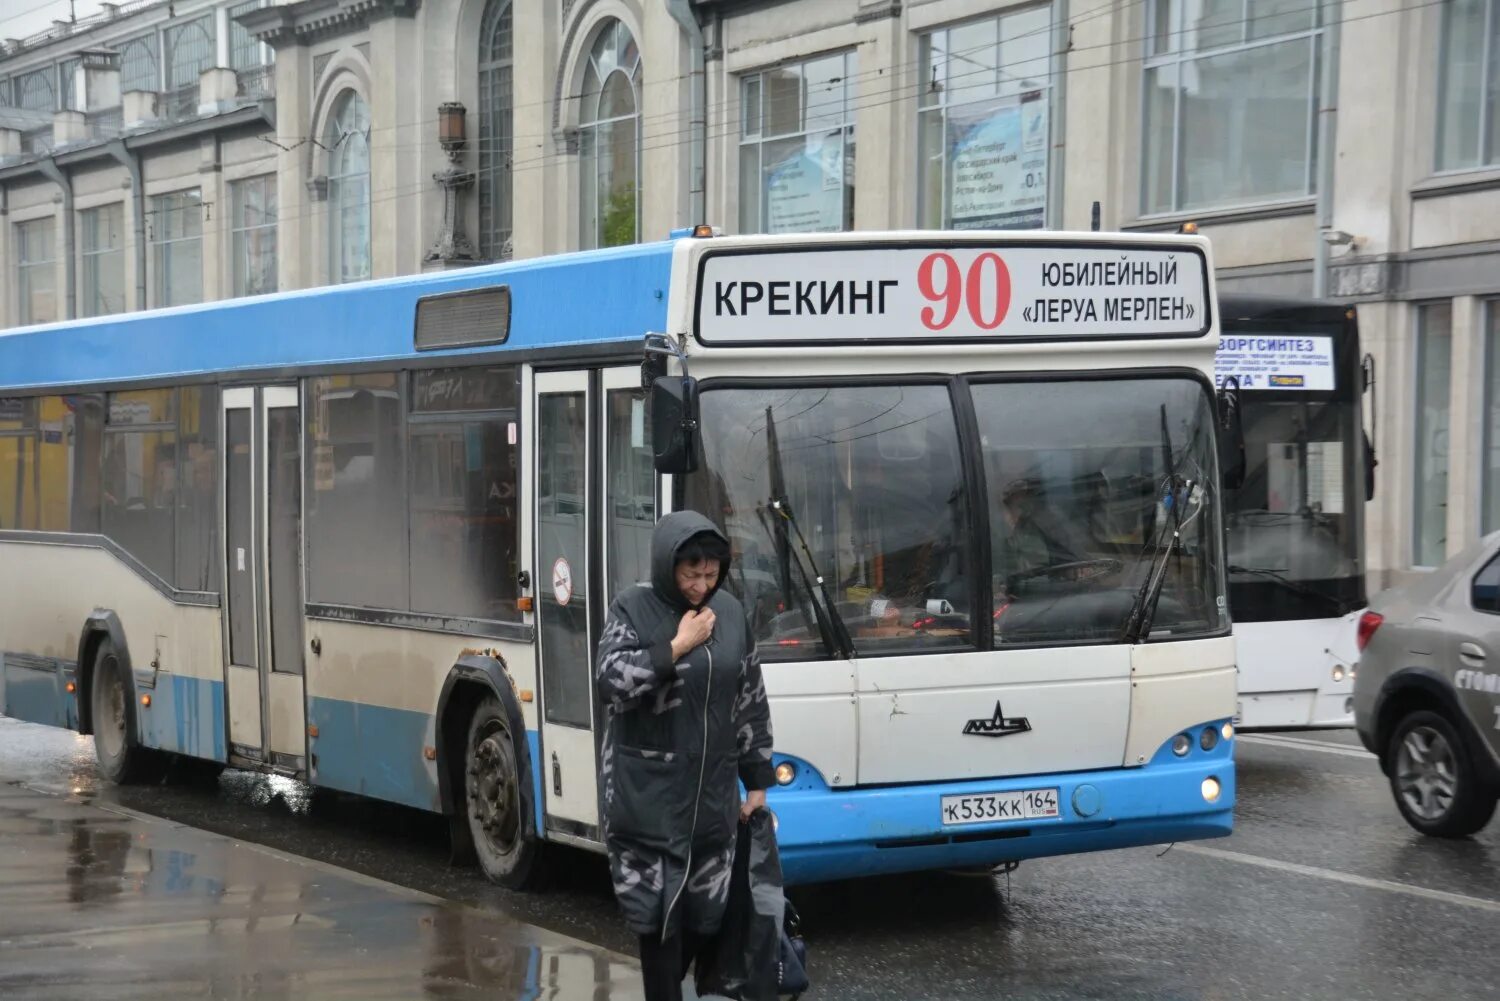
[{"x": 1323, "y": 892}]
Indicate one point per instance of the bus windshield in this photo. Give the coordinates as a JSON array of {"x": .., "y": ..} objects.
[
  {"x": 864, "y": 486},
  {"x": 1294, "y": 526}
]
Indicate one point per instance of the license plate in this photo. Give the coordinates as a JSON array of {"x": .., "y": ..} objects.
[{"x": 984, "y": 808}]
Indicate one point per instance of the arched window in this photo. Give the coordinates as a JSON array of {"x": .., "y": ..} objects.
[
  {"x": 609, "y": 140},
  {"x": 495, "y": 135},
  {"x": 348, "y": 141}
]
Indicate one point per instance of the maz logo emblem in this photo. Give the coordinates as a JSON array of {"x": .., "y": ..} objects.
[{"x": 998, "y": 725}]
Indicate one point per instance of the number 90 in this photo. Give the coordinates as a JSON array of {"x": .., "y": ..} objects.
[{"x": 987, "y": 283}]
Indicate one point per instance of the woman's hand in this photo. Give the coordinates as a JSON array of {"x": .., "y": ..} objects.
[
  {"x": 692, "y": 632},
  {"x": 755, "y": 799}
]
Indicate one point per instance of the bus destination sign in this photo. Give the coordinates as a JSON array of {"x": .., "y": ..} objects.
[
  {"x": 906, "y": 294},
  {"x": 1276, "y": 361}
]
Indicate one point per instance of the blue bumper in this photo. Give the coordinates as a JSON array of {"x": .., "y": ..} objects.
[{"x": 827, "y": 834}]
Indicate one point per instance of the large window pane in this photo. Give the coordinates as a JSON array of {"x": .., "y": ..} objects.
[
  {"x": 348, "y": 138},
  {"x": 253, "y": 231},
  {"x": 1490, "y": 518},
  {"x": 177, "y": 247},
  {"x": 141, "y": 476},
  {"x": 870, "y": 477},
  {"x": 1244, "y": 118},
  {"x": 985, "y": 134},
  {"x": 18, "y": 463},
  {"x": 36, "y": 271},
  {"x": 1078, "y": 480},
  {"x": 464, "y": 533},
  {"x": 609, "y": 141},
  {"x": 797, "y": 172},
  {"x": 630, "y": 492},
  {"x": 1434, "y": 370},
  {"x": 496, "y": 134},
  {"x": 1228, "y": 118},
  {"x": 55, "y": 467},
  {"x": 356, "y": 492},
  {"x": 103, "y": 261},
  {"x": 1462, "y": 70},
  {"x": 198, "y": 493},
  {"x": 87, "y": 446}
]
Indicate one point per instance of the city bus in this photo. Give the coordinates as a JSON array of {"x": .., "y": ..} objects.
[
  {"x": 1297, "y": 522},
  {"x": 365, "y": 536}
]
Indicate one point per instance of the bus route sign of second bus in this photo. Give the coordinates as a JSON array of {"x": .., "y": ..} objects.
[{"x": 952, "y": 293}]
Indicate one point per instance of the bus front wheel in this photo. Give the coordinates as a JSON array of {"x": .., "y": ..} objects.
[
  {"x": 494, "y": 800},
  {"x": 121, "y": 757}
]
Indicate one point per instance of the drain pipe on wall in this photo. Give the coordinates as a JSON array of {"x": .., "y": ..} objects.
[
  {"x": 1328, "y": 110},
  {"x": 698, "y": 125},
  {"x": 132, "y": 163},
  {"x": 53, "y": 173}
]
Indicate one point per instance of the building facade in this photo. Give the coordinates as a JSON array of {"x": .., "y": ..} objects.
[{"x": 167, "y": 153}]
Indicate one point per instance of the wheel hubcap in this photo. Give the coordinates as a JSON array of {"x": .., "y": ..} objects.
[
  {"x": 1427, "y": 773},
  {"x": 493, "y": 796}
]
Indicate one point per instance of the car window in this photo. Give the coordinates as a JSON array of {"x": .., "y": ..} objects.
[{"x": 1485, "y": 592}]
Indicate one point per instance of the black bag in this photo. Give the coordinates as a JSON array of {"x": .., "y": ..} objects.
[{"x": 754, "y": 957}]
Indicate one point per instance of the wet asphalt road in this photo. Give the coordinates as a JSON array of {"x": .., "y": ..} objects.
[{"x": 1322, "y": 892}]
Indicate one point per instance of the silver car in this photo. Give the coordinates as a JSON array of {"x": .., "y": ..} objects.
[{"x": 1427, "y": 692}]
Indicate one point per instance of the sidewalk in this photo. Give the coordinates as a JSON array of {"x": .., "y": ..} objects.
[{"x": 100, "y": 903}]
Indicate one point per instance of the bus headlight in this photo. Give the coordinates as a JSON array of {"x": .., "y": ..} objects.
[
  {"x": 786, "y": 773},
  {"x": 1211, "y": 789},
  {"x": 1181, "y": 744},
  {"x": 1227, "y": 731},
  {"x": 1208, "y": 739},
  {"x": 1338, "y": 673}
]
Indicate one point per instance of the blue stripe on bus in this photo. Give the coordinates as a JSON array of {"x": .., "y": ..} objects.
[
  {"x": 186, "y": 716},
  {"x": 36, "y": 691},
  {"x": 374, "y": 751},
  {"x": 625, "y": 290},
  {"x": 824, "y": 834}
]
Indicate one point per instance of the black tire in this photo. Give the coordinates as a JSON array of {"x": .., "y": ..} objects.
[
  {"x": 117, "y": 747},
  {"x": 1433, "y": 778},
  {"x": 494, "y": 801}
]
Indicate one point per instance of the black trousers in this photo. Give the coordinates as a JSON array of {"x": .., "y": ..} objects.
[{"x": 665, "y": 965}]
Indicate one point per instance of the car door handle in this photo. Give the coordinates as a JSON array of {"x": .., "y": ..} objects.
[{"x": 1470, "y": 653}]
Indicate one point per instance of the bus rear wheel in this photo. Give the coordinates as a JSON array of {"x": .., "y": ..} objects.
[
  {"x": 116, "y": 745},
  {"x": 494, "y": 801}
]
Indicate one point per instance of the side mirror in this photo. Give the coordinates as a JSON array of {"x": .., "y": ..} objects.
[
  {"x": 674, "y": 424},
  {"x": 1231, "y": 435}
]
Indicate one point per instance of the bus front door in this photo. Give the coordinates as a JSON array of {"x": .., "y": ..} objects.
[
  {"x": 263, "y": 577},
  {"x": 595, "y": 502}
]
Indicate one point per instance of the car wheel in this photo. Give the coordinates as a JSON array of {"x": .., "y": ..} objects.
[
  {"x": 1434, "y": 780},
  {"x": 121, "y": 757},
  {"x": 494, "y": 801}
]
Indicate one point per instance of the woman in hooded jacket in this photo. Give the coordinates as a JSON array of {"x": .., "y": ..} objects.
[{"x": 687, "y": 722}]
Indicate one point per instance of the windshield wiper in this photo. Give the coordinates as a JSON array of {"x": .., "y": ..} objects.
[
  {"x": 830, "y": 623},
  {"x": 1279, "y": 577},
  {"x": 1143, "y": 608}
]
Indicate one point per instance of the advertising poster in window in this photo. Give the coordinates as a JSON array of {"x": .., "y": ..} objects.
[
  {"x": 805, "y": 186},
  {"x": 997, "y": 162}
]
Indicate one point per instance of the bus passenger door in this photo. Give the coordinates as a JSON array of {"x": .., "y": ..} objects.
[
  {"x": 263, "y": 577},
  {"x": 565, "y": 602}
]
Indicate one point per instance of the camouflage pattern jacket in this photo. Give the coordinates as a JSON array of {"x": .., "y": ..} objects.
[{"x": 678, "y": 736}]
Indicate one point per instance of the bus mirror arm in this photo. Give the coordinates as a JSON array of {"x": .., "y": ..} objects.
[
  {"x": 1231, "y": 435},
  {"x": 674, "y": 408}
]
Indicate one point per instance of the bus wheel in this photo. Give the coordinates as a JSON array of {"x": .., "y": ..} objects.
[
  {"x": 1435, "y": 783},
  {"x": 121, "y": 757},
  {"x": 494, "y": 801}
]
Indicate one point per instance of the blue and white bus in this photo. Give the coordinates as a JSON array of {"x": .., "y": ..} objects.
[
  {"x": 363, "y": 536},
  {"x": 1296, "y": 523}
]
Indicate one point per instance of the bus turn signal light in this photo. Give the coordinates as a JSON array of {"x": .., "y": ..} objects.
[
  {"x": 146, "y": 701},
  {"x": 71, "y": 688},
  {"x": 1368, "y": 623}
]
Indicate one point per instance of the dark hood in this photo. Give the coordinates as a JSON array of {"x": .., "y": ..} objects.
[{"x": 671, "y": 533}]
